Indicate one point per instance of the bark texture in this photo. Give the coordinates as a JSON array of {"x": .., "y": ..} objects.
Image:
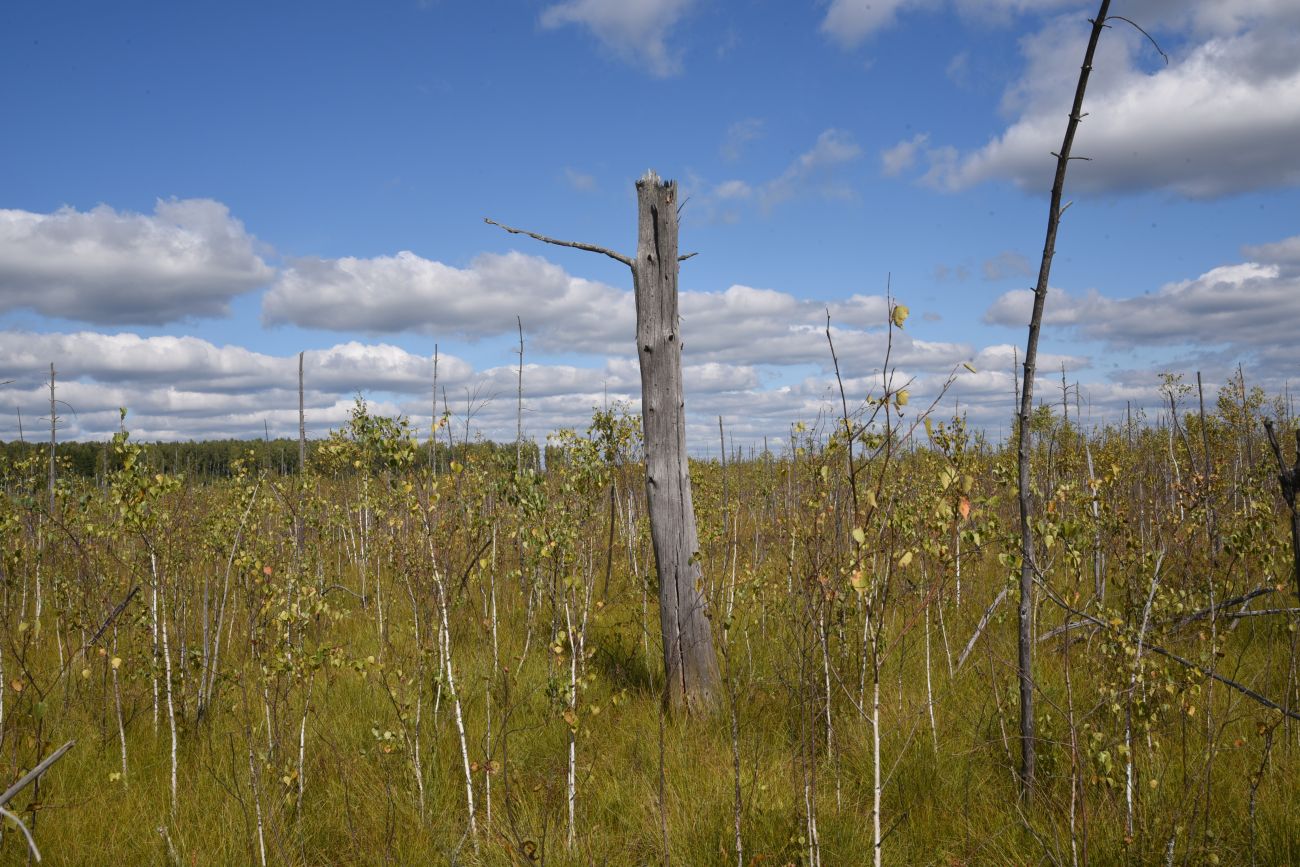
[{"x": 690, "y": 664}]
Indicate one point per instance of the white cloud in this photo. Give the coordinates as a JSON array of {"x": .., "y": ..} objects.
[
  {"x": 188, "y": 259},
  {"x": 1222, "y": 118},
  {"x": 902, "y": 156},
  {"x": 195, "y": 365},
  {"x": 185, "y": 387},
  {"x": 409, "y": 293},
  {"x": 1284, "y": 252},
  {"x": 1245, "y": 311},
  {"x": 848, "y": 22},
  {"x": 635, "y": 30}
]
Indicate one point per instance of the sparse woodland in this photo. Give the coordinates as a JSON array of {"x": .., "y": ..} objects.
[{"x": 380, "y": 660}]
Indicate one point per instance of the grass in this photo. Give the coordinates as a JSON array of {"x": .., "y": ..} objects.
[{"x": 950, "y": 794}]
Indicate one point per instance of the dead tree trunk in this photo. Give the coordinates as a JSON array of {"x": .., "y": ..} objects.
[
  {"x": 302, "y": 422},
  {"x": 1289, "y": 479},
  {"x": 1027, "y": 567},
  {"x": 690, "y": 664},
  {"x": 689, "y": 661}
]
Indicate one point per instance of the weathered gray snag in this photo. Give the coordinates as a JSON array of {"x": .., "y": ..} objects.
[{"x": 690, "y": 663}]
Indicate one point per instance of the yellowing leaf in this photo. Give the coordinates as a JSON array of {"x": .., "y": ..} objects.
[
  {"x": 858, "y": 580},
  {"x": 968, "y": 366},
  {"x": 859, "y": 536},
  {"x": 905, "y": 560},
  {"x": 899, "y": 315},
  {"x": 116, "y": 662},
  {"x": 902, "y": 397}
]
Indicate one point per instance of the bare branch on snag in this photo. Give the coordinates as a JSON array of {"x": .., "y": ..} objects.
[
  {"x": 577, "y": 245},
  {"x": 1139, "y": 30}
]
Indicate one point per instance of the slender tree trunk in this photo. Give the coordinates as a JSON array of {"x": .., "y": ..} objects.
[
  {"x": 302, "y": 422},
  {"x": 54, "y": 423},
  {"x": 1025, "y": 612},
  {"x": 519, "y": 410},
  {"x": 690, "y": 665}
]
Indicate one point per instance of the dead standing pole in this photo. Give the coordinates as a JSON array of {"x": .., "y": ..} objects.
[
  {"x": 690, "y": 664},
  {"x": 1025, "y": 638}
]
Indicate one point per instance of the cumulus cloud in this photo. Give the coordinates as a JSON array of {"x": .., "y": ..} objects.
[
  {"x": 1246, "y": 305},
  {"x": 1221, "y": 118},
  {"x": 188, "y": 259},
  {"x": 742, "y": 325},
  {"x": 406, "y": 292},
  {"x": 1284, "y": 252},
  {"x": 192, "y": 364},
  {"x": 848, "y": 22},
  {"x": 634, "y": 30},
  {"x": 185, "y": 387},
  {"x": 1244, "y": 311},
  {"x": 902, "y": 156}
]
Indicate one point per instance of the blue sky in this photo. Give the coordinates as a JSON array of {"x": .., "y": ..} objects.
[{"x": 191, "y": 194}]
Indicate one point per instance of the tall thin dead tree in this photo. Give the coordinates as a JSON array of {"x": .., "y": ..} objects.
[
  {"x": 54, "y": 424},
  {"x": 1027, "y": 565},
  {"x": 690, "y": 663},
  {"x": 302, "y": 421},
  {"x": 1289, "y": 479}
]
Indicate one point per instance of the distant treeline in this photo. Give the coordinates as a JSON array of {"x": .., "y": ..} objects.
[{"x": 216, "y": 458}]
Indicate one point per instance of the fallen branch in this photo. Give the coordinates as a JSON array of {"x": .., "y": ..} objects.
[
  {"x": 35, "y": 772},
  {"x": 1168, "y": 654},
  {"x": 1227, "y": 603},
  {"x": 26, "y": 780},
  {"x": 979, "y": 629}
]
